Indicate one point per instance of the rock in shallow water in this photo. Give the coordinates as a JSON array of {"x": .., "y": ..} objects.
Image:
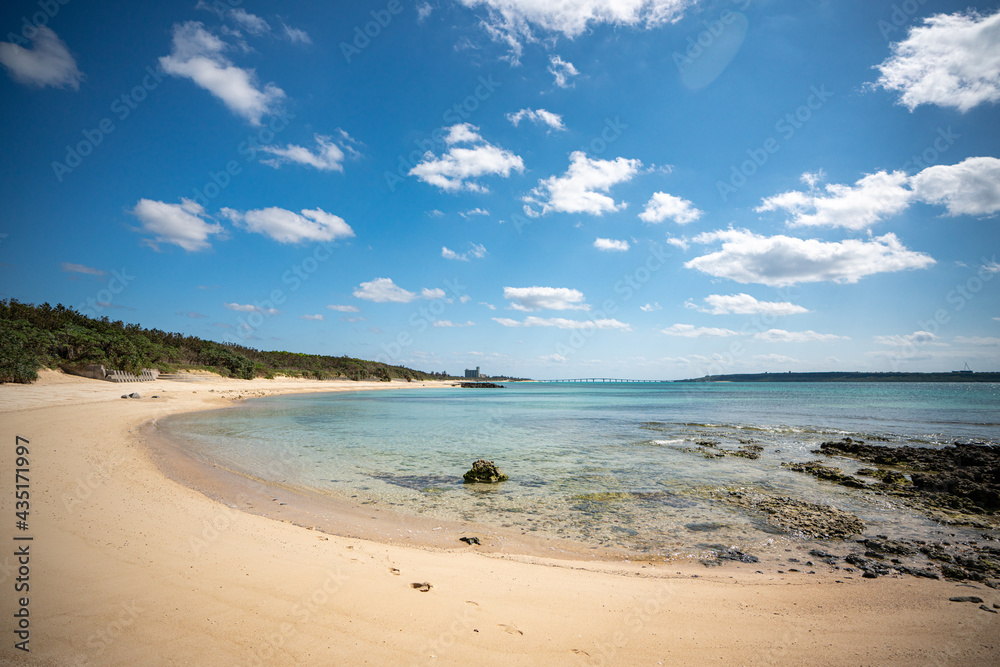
[
  {"x": 484, "y": 472},
  {"x": 797, "y": 516}
]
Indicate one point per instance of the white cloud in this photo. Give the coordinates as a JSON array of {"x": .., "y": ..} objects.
[
  {"x": 545, "y": 298},
  {"x": 477, "y": 251},
  {"x": 971, "y": 187},
  {"x": 182, "y": 224},
  {"x": 424, "y": 10},
  {"x": 683, "y": 243},
  {"x": 475, "y": 211},
  {"x": 511, "y": 21},
  {"x": 562, "y": 71},
  {"x": 611, "y": 245},
  {"x": 691, "y": 331},
  {"x": 456, "y": 170},
  {"x": 563, "y": 323},
  {"x": 294, "y": 35},
  {"x": 383, "y": 290},
  {"x": 463, "y": 133},
  {"x": 662, "y": 206},
  {"x": 952, "y": 60},
  {"x": 329, "y": 155},
  {"x": 579, "y": 189},
  {"x": 287, "y": 226},
  {"x": 813, "y": 178},
  {"x": 873, "y": 198},
  {"x": 344, "y": 309},
  {"x": 782, "y": 336},
  {"x": 554, "y": 358},
  {"x": 197, "y": 54},
  {"x": 251, "y": 308},
  {"x": 988, "y": 341},
  {"x": 783, "y": 260},
  {"x": 252, "y": 23},
  {"x": 80, "y": 268},
  {"x": 537, "y": 116},
  {"x": 449, "y": 324},
  {"x": 915, "y": 338},
  {"x": 315, "y": 318},
  {"x": 744, "y": 304},
  {"x": 47, "y": 63},
  {"x": 651, "y": 307},
  {"x": 774, "y": 358}
]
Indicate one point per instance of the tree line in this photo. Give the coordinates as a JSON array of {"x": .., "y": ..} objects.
[{"x": 34, "y": 337}]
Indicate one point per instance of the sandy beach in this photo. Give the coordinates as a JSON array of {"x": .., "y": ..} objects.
[{"x": 128, "y": 566}]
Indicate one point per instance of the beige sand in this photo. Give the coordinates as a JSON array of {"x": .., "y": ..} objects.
[{"x": 128, "y": 567}]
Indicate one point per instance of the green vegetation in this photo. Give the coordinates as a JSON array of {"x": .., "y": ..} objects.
[{"x": 33, "y": 337}]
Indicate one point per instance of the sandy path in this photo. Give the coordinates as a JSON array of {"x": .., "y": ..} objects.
[{"x": 128, "y": 567}]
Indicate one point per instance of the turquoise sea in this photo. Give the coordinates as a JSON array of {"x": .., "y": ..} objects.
[{"x": 606, "y": 465}]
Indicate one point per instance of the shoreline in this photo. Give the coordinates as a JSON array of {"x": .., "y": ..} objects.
[
  {"x": 335, "y": 516},
  {"x": 128, "y": 561}
]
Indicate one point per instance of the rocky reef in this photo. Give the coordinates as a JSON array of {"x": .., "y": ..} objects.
[
  {"x": 959, "y": 479},
  {"x": 484, "y": 472},
  {"x": 797, "y": 516}
]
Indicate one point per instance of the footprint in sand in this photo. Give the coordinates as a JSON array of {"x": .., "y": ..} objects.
[
  {"x": 423, "y": 587},
  {"x": 510, "y": 628},
  {"x": 394, "y": 571}
]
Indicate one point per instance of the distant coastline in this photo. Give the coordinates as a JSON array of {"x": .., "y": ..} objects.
[{"x": 954, "y": 376}]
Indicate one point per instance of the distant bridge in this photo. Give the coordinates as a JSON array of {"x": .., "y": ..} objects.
[{"x": 603, "y": 380}]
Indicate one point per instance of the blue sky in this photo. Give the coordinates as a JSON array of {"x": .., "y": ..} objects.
[{"x": 620, "y": 188}]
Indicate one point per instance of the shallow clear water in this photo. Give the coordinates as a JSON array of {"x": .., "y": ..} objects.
[{"x": 614, "y": 465}]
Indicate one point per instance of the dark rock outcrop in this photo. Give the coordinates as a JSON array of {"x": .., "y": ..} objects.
[
  {"x": 830, "y": 474},
  {"x": 484, "y": 472},
  {"x": 798, "y": 516},
  {"x": 963, "y": 478}
]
